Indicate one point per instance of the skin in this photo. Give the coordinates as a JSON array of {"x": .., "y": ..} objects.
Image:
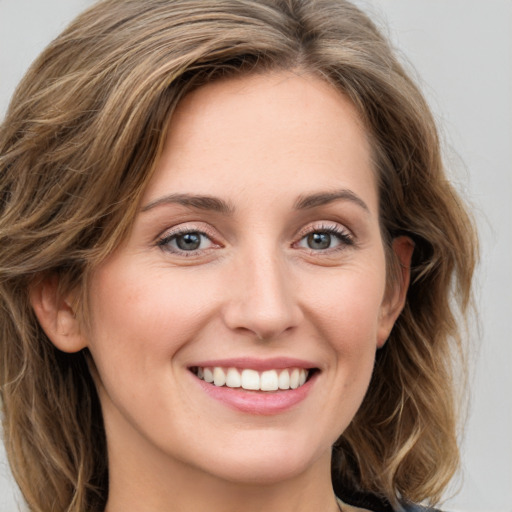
[{"x": 254, "y": 288}]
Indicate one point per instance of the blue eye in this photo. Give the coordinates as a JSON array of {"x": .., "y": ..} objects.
[
  {"x": 187, "y": 241},
  {"x": 319, "y": 241},
  {"x": 326, "y": 238}
]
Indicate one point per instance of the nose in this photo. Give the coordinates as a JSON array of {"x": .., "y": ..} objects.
[{"x": 262, "y": 301}]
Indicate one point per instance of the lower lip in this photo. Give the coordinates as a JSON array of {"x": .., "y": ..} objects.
[{"x": 258, "y": 402}]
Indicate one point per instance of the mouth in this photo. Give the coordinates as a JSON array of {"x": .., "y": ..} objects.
[
  {"x": 257, "y": 386},
  {"x": 270, "y": 380}
]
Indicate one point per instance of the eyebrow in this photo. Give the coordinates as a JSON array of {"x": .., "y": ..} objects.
[
  {"x": 323, "y": 198},
  {"x": 215, "y": 204},
  {"x": 194, "y": 201}
]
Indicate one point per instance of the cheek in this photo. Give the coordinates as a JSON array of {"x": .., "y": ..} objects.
[
  {"x": 348, "y": 308},
  {"x": 347, "y": 321},
  {"x": 146, "y": 315}
]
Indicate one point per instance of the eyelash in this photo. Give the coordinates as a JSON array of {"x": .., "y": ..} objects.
[
  {"x": 344, "y": 237},
  {"x": 342, "y": 234},
  {"x": 165, "y": 241}
]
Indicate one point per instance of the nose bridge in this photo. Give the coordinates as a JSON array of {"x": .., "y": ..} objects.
[{"x": 263, "y": 301}]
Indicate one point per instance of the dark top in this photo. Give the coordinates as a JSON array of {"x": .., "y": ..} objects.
[{"x": 380, "y": 504}]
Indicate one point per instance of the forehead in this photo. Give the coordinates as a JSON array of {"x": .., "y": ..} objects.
[{"x": 292, "y": 132}]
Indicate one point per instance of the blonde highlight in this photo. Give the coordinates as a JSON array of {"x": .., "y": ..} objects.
[{"x": 78, "y": 147}]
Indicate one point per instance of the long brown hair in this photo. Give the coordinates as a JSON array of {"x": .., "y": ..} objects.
[{"x": 78, "y": 146}]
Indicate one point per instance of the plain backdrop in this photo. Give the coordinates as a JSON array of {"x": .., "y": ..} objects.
[{"x": 461, "y": 51}]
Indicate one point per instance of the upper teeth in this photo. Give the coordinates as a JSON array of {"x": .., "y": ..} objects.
[{"x": 269, "y": 380}]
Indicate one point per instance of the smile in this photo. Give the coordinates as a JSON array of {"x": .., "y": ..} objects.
[{"x": 253, "y": 380}]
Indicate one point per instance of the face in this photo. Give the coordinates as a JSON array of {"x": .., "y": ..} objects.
[{"x": 255, "y": 261}]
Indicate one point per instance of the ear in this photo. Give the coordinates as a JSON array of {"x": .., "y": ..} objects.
[
  {"x": 56, "y": 315},
  {"x": 396, "y": 294}
]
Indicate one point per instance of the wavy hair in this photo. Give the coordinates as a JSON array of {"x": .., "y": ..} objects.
[{"x": 77, "y": 148}]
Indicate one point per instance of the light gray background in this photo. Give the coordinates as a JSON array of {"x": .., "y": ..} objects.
[{"x": 462, "y": 50}]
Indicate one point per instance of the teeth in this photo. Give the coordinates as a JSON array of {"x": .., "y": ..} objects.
[
  {"x": 233, "y": 379},
  {"x": 269, "y": 380},
  {"x": 208, "y": 374},
  {"x": 250, "y": 380},
  {"x": 219, "y": 376},
  {"x": 294, "y": 378},
  {"x": 284, "y": 380}
]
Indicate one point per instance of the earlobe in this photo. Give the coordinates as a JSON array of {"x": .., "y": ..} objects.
[
  {"x": 56, "y": 315},
  {"x": 394, "y": 302}
]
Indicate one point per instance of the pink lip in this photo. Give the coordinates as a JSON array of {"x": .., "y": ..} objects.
[
  {"x": 257, "y": 402},
  {"x": 260, "y": 365}
]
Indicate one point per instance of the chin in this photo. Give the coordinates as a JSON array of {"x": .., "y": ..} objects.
[
  {"x": 257, "y": 471},
  {"x": 267, "y": 463}
]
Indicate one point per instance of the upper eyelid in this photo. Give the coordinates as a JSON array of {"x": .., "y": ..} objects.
[
  {"x": 186, "y": 227},
  {"x": 324, "y": 225}
]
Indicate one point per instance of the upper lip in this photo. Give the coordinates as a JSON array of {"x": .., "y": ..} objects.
[{"x": 274, "y": 363}]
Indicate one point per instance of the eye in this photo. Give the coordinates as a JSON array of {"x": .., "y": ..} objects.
[
  {"x": 186, "y": 241},
  {"x": 325, "y": 238}
]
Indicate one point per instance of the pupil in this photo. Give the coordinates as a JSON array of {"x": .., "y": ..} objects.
[
  {"x": 319, "y": 240},
  {"x": 189, "y": 241}
]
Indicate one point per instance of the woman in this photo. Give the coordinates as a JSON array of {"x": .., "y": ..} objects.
[{"x": 230, "y": 266}]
